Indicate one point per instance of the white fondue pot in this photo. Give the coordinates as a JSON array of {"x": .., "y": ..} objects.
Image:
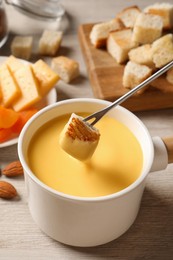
[{"x": 86, "y": 221}]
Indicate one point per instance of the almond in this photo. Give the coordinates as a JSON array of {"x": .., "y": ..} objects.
[
  {"x": 7, "y": 190},
  {"x": 13, "y": 169}
]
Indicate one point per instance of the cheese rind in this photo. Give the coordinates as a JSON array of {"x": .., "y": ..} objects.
[{"x": 9, "y": 88}]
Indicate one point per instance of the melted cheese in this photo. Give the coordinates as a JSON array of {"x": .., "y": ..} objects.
[{"x": 116, "y": 163}]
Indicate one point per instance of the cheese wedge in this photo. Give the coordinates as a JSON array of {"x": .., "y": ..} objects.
[
  {"x": 9, "y": 88},
  {"x": 28, "y": 86},
  {"x": 78, "y": 138},
  {"x": 46, "y": 77}
]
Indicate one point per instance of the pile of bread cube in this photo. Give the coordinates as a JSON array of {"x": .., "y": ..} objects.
[{"x": 142, "y": 40}]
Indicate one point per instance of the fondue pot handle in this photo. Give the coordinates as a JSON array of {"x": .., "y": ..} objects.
[
  {"x": 168, "y": 141},
  {"x": 163, "y": 153}
]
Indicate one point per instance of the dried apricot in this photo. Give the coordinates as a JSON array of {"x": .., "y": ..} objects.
[
  {"x": 8, "y": 117},
  {"x": 5, "y": 134},
  {"x": 24, "y": 116}
]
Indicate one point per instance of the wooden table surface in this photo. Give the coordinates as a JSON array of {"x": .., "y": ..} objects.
[{"x": 151, "y": 236}]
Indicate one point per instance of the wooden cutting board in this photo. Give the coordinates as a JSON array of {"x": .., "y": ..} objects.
[{"x": 106, "y": 79}]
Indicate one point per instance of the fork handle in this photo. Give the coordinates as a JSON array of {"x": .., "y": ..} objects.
[{"x": 168, "y": 141}]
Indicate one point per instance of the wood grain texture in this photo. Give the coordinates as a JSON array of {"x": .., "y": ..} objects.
[
  {"x": 106, "y": 78},
  {"x": 169, "y": 145}
]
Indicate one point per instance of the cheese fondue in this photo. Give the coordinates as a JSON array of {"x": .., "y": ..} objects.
[{"x": 116, "y": 163}]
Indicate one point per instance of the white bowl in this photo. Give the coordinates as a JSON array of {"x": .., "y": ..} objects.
[{"x": 82, "y": 221}]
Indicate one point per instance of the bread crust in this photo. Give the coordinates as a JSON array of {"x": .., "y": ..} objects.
[
  {"x": 134, "y": 74},
  {"x": 165, "y": 11},
  {"x": 147, "y": 28},
  {"x": 119, "y": 43},
  {"x": 100, "y": 32},
  {"x": 162, "y": 50},
  {"x": 66, "y": 68},
  {"x": 124, "y": 15}
]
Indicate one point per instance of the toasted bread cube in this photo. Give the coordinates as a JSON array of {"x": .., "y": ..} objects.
[
  {"x": 100, "y": 32},
  {"x": 147, "y": 28},
  {"x": 28, "y": 86},
  {"x": 9, "y": 88},
  {"x": 134, "y": 74},
  {"x": 128, "y": 16},
  {"x": 142, "y": 55},
  {"x": 50, "y": 42},
  {"x": 119, "y": 43},
  {"x": 46, "y": 77},
  {"x": 169, "y": 75},
  {"x": 66, "y": 68},
  {"x": 78, "y": 138},
  {"x": 165, "y": 11},
  {"x": 162, "y": 50},
  {"x": 21, "y": 47}
]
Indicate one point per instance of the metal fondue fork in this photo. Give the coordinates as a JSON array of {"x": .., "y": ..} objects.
[{"x": 98, "y": 115}]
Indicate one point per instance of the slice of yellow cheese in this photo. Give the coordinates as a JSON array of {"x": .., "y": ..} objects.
[
  {"x": 9, "y": 88},
  {"x": 28, "y": 86},
  {"x": 46, "y": 77},
  {"x": 13, "y": 64}
]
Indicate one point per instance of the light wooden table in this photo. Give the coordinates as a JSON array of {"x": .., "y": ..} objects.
[{"x": 151, "y": 236}]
